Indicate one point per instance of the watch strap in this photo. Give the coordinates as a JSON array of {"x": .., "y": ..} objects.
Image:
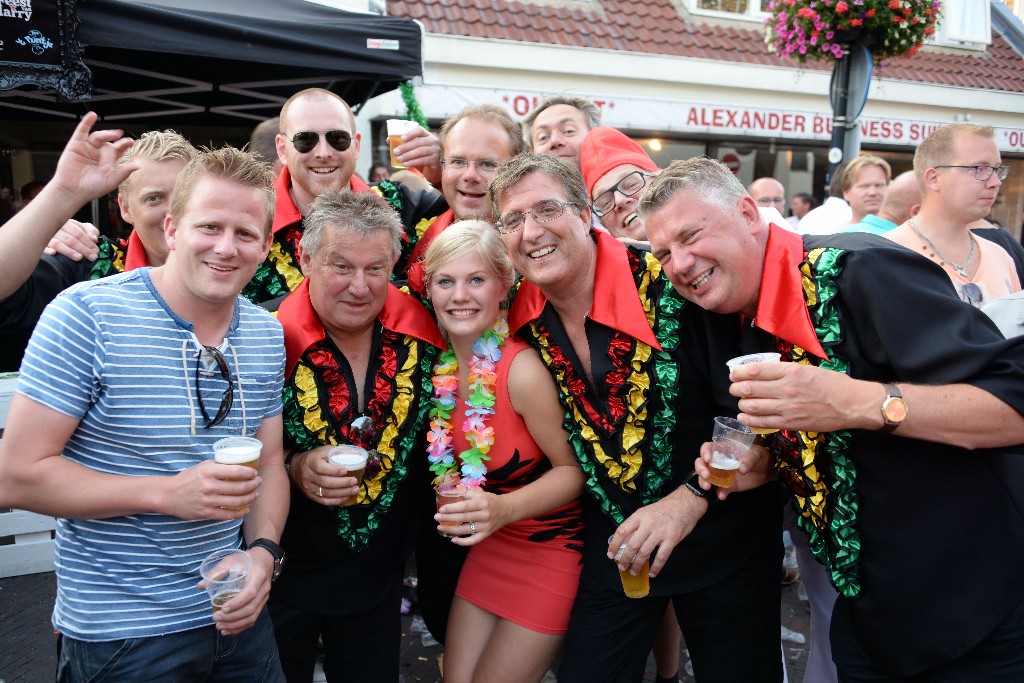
[{"x": 276, "y": 551}]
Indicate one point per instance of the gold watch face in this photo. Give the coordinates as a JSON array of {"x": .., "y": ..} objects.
[{"x": 895, "y": 410}]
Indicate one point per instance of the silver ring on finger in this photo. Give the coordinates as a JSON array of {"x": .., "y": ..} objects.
[
  {"x": 472, "y": 527},
  {"x": 320, "y": 491}
]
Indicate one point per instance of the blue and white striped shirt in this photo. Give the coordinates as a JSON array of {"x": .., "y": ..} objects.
[{"x": 112, "y": 354}]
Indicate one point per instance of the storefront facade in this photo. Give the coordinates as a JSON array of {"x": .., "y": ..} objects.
[{"x": 760, "y": 118}]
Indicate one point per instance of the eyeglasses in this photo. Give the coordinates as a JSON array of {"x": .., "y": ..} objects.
[
  {"x": 972, "y": 294},
  {"x": 485, "y": 166},
  {"x": 627, "y": 187},
  {"x": 542, "y": 212},
  {"x": 307, "y": 140},
  {"x": 227, "y": 398},
  {"x": 983, "y": 172},
  {"x": 768, "y": 201}
]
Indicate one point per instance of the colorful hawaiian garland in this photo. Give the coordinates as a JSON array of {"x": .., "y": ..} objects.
[{"x": 482, "y": 380}]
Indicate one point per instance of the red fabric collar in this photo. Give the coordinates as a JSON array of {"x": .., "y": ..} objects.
[
  {"x": 616, "y": 303},
  {"x": 285, "y": 211},
  {"x": 135, "y": 254},
  {"x": 401, "y": 314},
  {"x": 781, "y": 307},
  {"x": 436, "y": 227}
]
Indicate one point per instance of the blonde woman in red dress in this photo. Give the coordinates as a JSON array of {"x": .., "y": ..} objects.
[{"x": 497, "y": 424}]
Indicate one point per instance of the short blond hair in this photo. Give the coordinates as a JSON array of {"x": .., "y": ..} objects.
[
  {"x": 227, "y": 163},
  {"x": 463, "y": 237},
  {"x": 155, "y": 145},
  {"x": 862, "y": 162},
  {"x": 940, "y": 147}
]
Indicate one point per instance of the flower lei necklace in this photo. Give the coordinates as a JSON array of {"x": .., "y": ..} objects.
[{"x": 482, "y": 380}]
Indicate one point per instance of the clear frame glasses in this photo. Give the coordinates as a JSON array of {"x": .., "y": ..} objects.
[
  {"x": 983, "y": 172},
  {"x": 542, "y": 212}
]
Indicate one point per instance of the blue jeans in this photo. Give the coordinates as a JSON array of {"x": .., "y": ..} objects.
[{"x": 197, "y": 655}]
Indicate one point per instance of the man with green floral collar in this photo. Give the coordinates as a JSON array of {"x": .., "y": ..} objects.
[
  {"x": 901, "y": 421},
  {"x": 604, "y": 319},
  {"x": 359, "y": 352}
]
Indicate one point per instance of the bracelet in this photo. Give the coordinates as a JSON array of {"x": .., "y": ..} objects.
[{"x": 693, "y": 484}]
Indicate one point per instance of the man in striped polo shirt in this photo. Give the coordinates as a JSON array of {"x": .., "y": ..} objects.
[{"x": 126, "y": 384}]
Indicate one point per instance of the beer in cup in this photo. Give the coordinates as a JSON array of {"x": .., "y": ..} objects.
[
  {"x": 634, "y": 586},
  {"x": 353, "y": 459},
  {"x": 396, "y": 129},
  {"x": 731, "y": 440},
  {"x": 238, "y": 450},
  {"x": 449, "y": 493},
  {"x": 224, "y": 573},
  {"x": 768, "y": 357}
]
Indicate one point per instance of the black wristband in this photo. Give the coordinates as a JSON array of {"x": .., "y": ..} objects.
[{"x": 693, "y": 484}]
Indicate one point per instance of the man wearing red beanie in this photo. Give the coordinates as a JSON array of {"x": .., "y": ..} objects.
[{"x": 615, "y": 170}]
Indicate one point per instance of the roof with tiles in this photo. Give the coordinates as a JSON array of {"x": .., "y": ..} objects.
[{"x": 656, "y": 26}]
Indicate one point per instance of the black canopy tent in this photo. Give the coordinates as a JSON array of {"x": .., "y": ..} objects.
[{"x": 222, "y": 62}]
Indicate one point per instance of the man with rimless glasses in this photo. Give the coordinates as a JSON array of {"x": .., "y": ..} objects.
[
  {"x": 603, "y": 318},
  {"x": 959, "y": 171},
  {"x": 318, "y": 145},
  {"x": 127, "y": 383},
  {"x": 474, "y": 143}
]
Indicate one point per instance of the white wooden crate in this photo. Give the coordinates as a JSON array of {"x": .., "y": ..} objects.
[{"x": 33, "y": 547}]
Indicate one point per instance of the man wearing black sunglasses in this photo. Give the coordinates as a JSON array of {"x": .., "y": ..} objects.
[
  {"x": 126, "y": 384},
  {"x": 960, "y": 172},
  {"x": 319, "y": 145}
]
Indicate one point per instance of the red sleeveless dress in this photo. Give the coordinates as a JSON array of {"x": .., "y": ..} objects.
[{"x": 528, "y": 571}]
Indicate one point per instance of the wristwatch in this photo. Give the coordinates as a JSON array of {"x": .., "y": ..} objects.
[
  {"x": 894, "y": 408},
  {"x": 276, "y": 551}
]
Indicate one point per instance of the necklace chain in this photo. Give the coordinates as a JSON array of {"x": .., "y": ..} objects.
[{"x": 961, "y": 269}]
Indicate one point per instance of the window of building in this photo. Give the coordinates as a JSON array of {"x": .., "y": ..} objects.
[{"x": 753, "y": 10}]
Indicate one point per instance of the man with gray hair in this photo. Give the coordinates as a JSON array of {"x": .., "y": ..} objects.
[
  {"x": 349, "y": 331},
  {"x": 602, "y": 316},
  {"x": 891, "y": 382}
]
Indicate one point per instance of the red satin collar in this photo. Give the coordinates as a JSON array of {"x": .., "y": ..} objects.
[
  {"x": 135, "y": 254},
  {"x": 616, "y": 302},
  {"x": 401, "y": 314},
  {"x": 781, "y": 307},
  {"x": 285, "y": 211},
  {"x": 435, "y": 229}
]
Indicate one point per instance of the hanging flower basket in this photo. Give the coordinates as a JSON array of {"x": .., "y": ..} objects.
[{"x": 819, "y": 29}]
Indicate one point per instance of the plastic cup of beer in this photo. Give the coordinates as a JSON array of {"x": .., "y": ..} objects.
[
  {"x": 396, "y": 129},
  {"x": 449, "y": 493},
  {"x": 224, "y": 573},
  {"x": 732, "y": 439},
  {"x": 633, "y": 586},
  {"x": 767, "y": 357},
  {"x": 238, "y": 450},
  {"x": 353, "y": 459}
]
